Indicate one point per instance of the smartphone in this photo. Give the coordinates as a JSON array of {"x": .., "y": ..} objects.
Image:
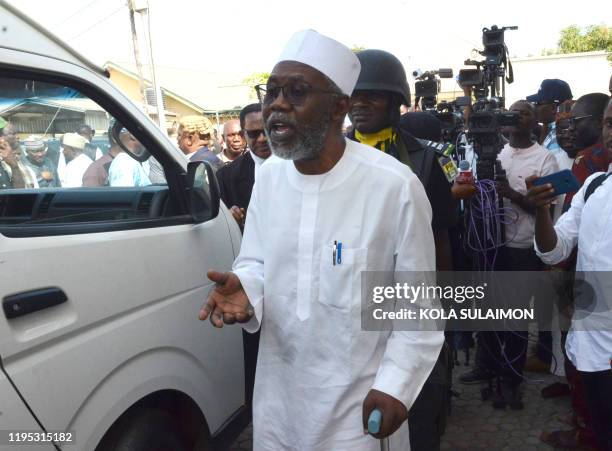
[{"x": 562, "y": 182}]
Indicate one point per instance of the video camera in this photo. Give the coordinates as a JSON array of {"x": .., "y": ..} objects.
[
  {"x": 451, "y": 119},
  {"x": 488, "y": 116},
  {"x": 427, "y": 86}
]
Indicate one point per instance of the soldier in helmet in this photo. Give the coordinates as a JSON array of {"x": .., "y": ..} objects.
[{"x": 375, "y": 114}]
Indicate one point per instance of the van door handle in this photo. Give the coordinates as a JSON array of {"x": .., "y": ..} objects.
[{"x": 20, "y": 304}]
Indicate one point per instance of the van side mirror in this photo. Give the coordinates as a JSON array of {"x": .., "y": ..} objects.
[
  {"x": 129, "y": 144},
  {"x": 203, "y": 191}
]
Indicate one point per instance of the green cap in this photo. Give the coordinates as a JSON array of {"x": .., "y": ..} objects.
[{"x": 2, "y": 122}]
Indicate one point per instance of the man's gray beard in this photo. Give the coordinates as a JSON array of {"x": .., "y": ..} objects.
[{"x": 309, "y": 140}]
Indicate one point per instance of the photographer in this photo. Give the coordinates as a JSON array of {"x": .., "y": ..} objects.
[
  {"x": 520, "y": 158},
  {"x": 589, "y": 339}
]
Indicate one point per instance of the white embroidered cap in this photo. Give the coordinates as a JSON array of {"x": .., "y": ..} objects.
[{"x": 328, "y": 56}]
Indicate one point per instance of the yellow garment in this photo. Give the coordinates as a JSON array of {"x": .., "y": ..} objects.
[{"x": 382, "y": 137}]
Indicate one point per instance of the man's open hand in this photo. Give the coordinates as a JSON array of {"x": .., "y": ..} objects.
[
  {"x": 227, "y": 303},
  {"x": 394, "y": 413}
]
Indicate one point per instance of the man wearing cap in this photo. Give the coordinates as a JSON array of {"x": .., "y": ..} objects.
[
  {"x": 551, "y": 94},
  {"x": 36, "y": 160},
  {"x": 76, "y": 161},
  {"x": 91, "y": 151},
  {"x": 319, "y": 376},
  {"x": 194, "y": 135}
]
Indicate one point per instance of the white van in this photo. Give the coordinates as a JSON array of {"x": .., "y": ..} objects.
[{"x": 100, "y": 344}]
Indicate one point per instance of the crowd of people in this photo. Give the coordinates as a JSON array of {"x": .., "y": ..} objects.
[
  {"x": 33, "y": 163},
  {"x": 277, "y": 291},
  {"x": 378, "y": 195}
]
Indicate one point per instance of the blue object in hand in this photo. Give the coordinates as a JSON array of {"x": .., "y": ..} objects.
[{"x": 375, "y": 421}]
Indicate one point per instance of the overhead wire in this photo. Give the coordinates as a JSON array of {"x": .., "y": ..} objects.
[
  {"x": 74, "y": 14},
  {"x": 95, "y": 24}
]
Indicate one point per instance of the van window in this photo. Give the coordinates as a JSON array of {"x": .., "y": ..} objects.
[{"x": 60, "y": 164}]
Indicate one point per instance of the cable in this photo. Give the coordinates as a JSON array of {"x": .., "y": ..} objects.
[
  {"x": 96, "y": 23},
  {"x": 486, "y": 219},
  {"x": 76, "y": 13}
]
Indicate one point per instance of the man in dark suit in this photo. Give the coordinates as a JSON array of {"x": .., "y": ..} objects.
[{"x": 237, "y": 178}]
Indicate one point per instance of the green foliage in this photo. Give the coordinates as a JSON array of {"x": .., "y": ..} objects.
[
  {"x": 256, "y": 78},
  {"x": 574, "y": 39},
  {"x": 357, "y": 48}
]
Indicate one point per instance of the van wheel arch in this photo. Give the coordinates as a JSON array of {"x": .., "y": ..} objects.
[{"x": 172, "y": 411}]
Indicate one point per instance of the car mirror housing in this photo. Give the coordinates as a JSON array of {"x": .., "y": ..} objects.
[{"x": 129, "y": 144}]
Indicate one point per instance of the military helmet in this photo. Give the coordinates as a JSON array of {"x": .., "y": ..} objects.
[{"x": 382, "y": 71}]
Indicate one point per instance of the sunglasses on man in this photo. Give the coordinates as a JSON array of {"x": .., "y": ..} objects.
[
  {"x": 254, "y": 134},
  {"x": 572, "y": 121}
]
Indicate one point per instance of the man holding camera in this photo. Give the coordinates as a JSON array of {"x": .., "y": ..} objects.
[{"x": 520, "y": 158}]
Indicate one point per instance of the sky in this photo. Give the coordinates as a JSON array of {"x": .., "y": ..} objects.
[{"x": 240, "y": 37}]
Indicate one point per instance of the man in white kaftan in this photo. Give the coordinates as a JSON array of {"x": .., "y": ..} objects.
[{"x": 316, "y": 366}]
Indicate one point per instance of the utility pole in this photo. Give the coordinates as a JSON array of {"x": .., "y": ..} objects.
[
  {"x": 141, "y": 83},
  {"x": 142, "y": 7},
  {"x": 145, "y": 15}
]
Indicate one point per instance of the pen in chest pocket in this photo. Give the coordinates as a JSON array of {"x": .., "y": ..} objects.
[
  {"x": 337, "y": 253},
  {"x": 334, "y": 250}
]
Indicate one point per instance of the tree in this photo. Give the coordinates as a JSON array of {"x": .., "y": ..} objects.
[
  {"x": 256, "y": 78},
  {"x": 574, "y": 39}
]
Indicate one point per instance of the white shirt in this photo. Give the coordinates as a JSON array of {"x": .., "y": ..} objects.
[
  {"x": 315, "y": 364},
  {"x": 258, "y": 162},
  {"x": 74, "y": 170},
  {"x": 520, "y": 164},
  {"x": 125, "y": 171},
  {"x": 564, "y": 162},
  {"x": 61, "y": 162},
  {"x": 224, "y": 157},
  {"x": 589, "y": 340}
]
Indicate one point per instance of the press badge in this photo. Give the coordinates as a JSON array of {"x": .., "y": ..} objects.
[
  {"x": 448, "y": 167},
  {"x": 443, "y": 153}
]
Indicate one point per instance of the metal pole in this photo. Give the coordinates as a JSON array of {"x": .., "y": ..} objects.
[
  {"x": 159, "y": 98},
  {"x": 141, "y": 83}
]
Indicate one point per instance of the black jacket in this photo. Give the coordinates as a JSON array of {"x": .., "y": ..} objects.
[
  {"x": 424, "y": 164},
  {"x": 236, "y": 181}
]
